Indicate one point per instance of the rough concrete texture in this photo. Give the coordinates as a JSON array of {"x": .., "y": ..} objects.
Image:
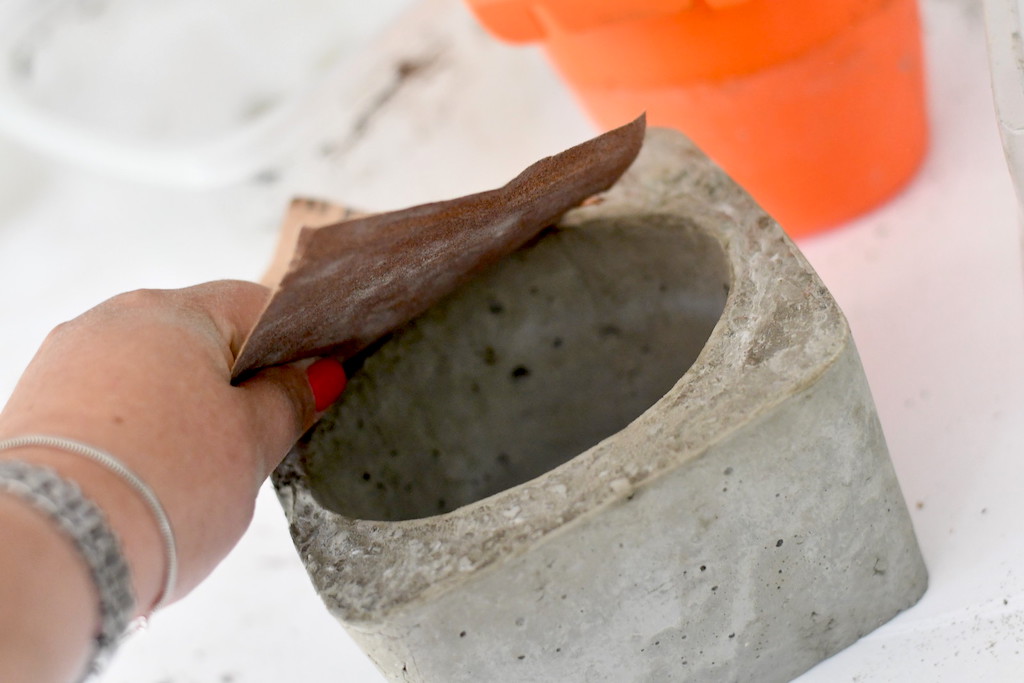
[{"x": 640, "y": 449}]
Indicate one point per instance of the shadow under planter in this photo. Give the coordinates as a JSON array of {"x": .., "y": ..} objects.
[{"x": 640, "y": 449}]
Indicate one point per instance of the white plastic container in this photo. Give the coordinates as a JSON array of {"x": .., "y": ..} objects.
[{"x": 181, "y": 92}]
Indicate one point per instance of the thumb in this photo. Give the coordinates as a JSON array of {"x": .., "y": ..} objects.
[{"x": 286, "y": 400}]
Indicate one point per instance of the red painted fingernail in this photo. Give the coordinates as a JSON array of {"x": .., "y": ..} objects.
[{"x": 327, "y": 380}]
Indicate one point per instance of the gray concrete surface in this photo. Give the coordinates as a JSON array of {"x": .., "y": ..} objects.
[{"x": 641, "y": 449}]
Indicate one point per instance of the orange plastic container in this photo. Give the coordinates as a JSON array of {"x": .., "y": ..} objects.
[{"x": 817, "y": 107}]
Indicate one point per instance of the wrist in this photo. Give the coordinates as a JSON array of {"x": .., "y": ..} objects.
[
  {"x": 50, "y": 612},
  {"x": 127, "y": 515}
]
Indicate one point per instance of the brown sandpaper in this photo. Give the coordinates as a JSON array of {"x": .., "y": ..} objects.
[
  {"x": 302, "y": 213},
  {"x": 352, "y": 282}
]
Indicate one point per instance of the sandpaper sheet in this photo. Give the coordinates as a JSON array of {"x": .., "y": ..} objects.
[
  {"x": 303, "y": 212},
  {"x": 352, "y": 282}
]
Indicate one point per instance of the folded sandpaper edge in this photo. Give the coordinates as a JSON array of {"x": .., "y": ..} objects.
[{"x": 352, "y": 282}]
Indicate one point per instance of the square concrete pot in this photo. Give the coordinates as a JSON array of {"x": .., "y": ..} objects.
[{"x": 640, "y": 449}]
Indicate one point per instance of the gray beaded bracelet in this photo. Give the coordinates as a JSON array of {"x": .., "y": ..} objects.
[{"x": 84, "y": 523}]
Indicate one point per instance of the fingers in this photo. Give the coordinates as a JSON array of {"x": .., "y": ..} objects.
[
  {"x": 234, "y": 306},
  {"x": 283, "y": 401},
  {"x": 286, "y": 400},
  {"x": 327, "y": 380},
  {"x": 277, "y": 404},
  {"x": 280, "y": 405}
]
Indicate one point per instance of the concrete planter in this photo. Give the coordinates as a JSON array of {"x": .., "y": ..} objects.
[{"x": 640, "y": 449}]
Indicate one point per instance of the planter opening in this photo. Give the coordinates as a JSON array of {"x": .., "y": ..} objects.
[{"x": 554, "y": 349}]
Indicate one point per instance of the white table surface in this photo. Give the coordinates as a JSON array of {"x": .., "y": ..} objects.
[{"x": 931, "y": 284}]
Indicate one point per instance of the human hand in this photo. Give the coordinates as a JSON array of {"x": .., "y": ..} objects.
[{"x": 146, "y": 377}]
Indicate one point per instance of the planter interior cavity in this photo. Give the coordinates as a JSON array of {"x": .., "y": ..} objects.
[{"x": 554, "y": 349}]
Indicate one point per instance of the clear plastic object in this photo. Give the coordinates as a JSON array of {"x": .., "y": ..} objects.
[
  {"x": 182, "y": 92},
  {"x": 1006, "y": 56}
]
